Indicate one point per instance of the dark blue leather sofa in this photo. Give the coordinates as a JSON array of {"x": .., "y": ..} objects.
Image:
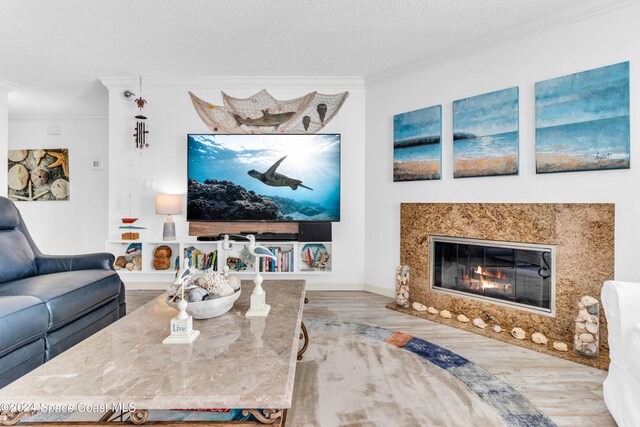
[{"x": 48, "y": 303}]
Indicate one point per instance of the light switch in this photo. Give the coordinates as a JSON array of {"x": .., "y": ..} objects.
[{"x": 149, "y": 185}]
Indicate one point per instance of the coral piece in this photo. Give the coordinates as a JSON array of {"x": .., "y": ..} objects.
[
  {"x": 215, "y": 284},
  {"x": 162, "y": 258},
  {"x": 121, "y": 262},
  {"x": 462, "y": 318},
  {"x": 137, "y": 262},
  {"x": 61, "y": 160},
  {"x": 445, "y": 314},
  {"x": 539, "y": 338}
]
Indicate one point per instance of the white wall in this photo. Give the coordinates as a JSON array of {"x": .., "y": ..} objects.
[
  {"x": 78, "y": 225},
  {"x": 171, "y": 117},
  {"x": 5, "y": 88},
  {"x": 597, "y": 41}
]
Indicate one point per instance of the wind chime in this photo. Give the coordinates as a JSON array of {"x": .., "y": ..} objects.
[{"x": 141, "y": 131}]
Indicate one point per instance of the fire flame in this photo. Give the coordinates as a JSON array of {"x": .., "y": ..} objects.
[{"x": 489, "y": 280}]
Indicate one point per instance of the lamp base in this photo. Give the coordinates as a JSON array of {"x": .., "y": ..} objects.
[{"x": 169, "y": 231}]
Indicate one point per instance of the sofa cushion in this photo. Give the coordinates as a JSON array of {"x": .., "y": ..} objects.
[
  {"x": 9, "y": 217},
  {"x": 23, "y": 319},
  {"x": 71, "y": 334},
  {"x": 68, "y": 295},
  {"x": 21, "y": 361},
  {"x": 17, "y": 259}
]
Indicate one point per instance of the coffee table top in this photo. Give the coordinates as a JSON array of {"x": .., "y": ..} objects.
[{"x": 236, "y": 362}]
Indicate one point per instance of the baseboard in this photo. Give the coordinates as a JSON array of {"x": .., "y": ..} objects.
[
  {"x": 335, "y": 286},
  {"x": 155, "y": 286},
  {"x": 385, "y": 292},
  {"x": 146, "y": 286}
]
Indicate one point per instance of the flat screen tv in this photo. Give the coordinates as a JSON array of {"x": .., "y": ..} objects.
[{"x": 263, "y": 177}]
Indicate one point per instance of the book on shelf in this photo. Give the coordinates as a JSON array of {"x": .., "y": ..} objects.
[
  {"x": 283, "y": 262},
  {"x": 201, "y": 260}
]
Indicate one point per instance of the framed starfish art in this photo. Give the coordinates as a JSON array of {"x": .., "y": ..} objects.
[{"x": 38, "y": 175}]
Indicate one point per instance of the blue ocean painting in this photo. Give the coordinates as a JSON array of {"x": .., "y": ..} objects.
[
  {"x": 485, "y": 134},
  {"x": 417, "y": 150},
  {"x": 229, "y": 177},
  {"x": 582, "y": 121}
]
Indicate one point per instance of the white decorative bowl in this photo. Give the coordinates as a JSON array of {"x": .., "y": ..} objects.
[{"x": 209, "y": 308}]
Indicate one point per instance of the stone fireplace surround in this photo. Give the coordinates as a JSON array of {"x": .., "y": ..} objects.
[{"x": 583, "y": 235}]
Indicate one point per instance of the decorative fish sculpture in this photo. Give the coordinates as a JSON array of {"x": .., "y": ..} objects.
[{"x": 267, "y": 119}]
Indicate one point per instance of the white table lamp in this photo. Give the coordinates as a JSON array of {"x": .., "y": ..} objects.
[{"x": 169, "y": 204}]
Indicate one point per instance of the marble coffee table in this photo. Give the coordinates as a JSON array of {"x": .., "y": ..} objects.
[{"x": 236, "y": 362}]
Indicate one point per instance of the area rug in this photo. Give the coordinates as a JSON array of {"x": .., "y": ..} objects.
[{"x": 359, "y": 375}]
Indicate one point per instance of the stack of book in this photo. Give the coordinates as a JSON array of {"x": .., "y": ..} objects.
[
  {"x": 201, "y": 260},
  {"x": 284, "y": 262}
]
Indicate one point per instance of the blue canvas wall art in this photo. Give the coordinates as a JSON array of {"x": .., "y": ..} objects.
[
  {"x": 582, "y": 121},
  {"x": 416, "y": 144},
  {"x": 485, "y": 134}
]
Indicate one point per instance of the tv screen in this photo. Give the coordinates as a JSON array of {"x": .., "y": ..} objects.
[{"x": 263, "y": 177}]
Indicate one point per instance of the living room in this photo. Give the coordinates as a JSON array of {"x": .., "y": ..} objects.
[{"x": 396, "y": 267}]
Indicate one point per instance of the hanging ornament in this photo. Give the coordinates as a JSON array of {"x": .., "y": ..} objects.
[{"x": 141, "y": 131}]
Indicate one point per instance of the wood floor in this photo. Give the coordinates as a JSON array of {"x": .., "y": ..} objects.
[{"x": 569, "y": 393}]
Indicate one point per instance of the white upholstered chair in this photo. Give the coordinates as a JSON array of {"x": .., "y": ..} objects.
[{"x": 621, "y": 303}]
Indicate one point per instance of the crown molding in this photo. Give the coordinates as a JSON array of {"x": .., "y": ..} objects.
[
  {"x": 58, "y": 117},
  {"x": 235, "y": 82},
  {"x": 7, "y": 86},
  {"x": 584, "y": 11}
]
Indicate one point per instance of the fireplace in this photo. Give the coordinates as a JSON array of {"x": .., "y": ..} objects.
[{"x": 520, "y": 275}]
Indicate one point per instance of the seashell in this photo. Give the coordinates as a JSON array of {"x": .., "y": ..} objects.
[
  {"x": 592, "y": 327},
  {"x": 38, "y": 155},
  {"x": 589, "y": 349},
  {"x": 462, "y": 318},
  {"x": 594, "y": 319},
  {"x": 17, "y": 155},
  {"x": 60, "y": 189},
  {"x": 583, "y": 316},
  {"x": 479, "y": 323},
  {"x": 433, "y": 310},
  {"x": 587, "y": 338},
  {"x": 497, "y": 329},
  {"x": 418, "y": 307},
  {"x": 196, "y": 294},
  {"x": 593, "y": 309},
  {"x": 518, "y": 333},
  {"x": 588, "y": 300},
  {"x": 539, "y": 338},
  {"x": 129, "y": 266},
  {"x": 39, "y": 176},
  {"x": 577, "y": 343},
  {"x": 445, "y": 314},
  {"x": 560, "y": 346},
  {"x": 234, "y": 282},
  {"x": 18, "y": 177}
]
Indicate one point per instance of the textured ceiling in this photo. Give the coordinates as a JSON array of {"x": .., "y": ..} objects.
[{"x": 67, "y": 42}]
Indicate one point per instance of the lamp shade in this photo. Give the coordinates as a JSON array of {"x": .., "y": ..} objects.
[{"x": 168, "y": 204}]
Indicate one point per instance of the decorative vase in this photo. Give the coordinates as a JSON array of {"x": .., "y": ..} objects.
[
  {"x": 402, "y": 286},
  {"x": 586, "y": 341}
]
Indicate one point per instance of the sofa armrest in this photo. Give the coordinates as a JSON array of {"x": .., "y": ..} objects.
[{"x": 48, "y": 264}]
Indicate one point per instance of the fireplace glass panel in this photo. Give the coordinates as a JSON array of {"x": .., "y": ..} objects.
[{"x": 517, "y": 275}]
